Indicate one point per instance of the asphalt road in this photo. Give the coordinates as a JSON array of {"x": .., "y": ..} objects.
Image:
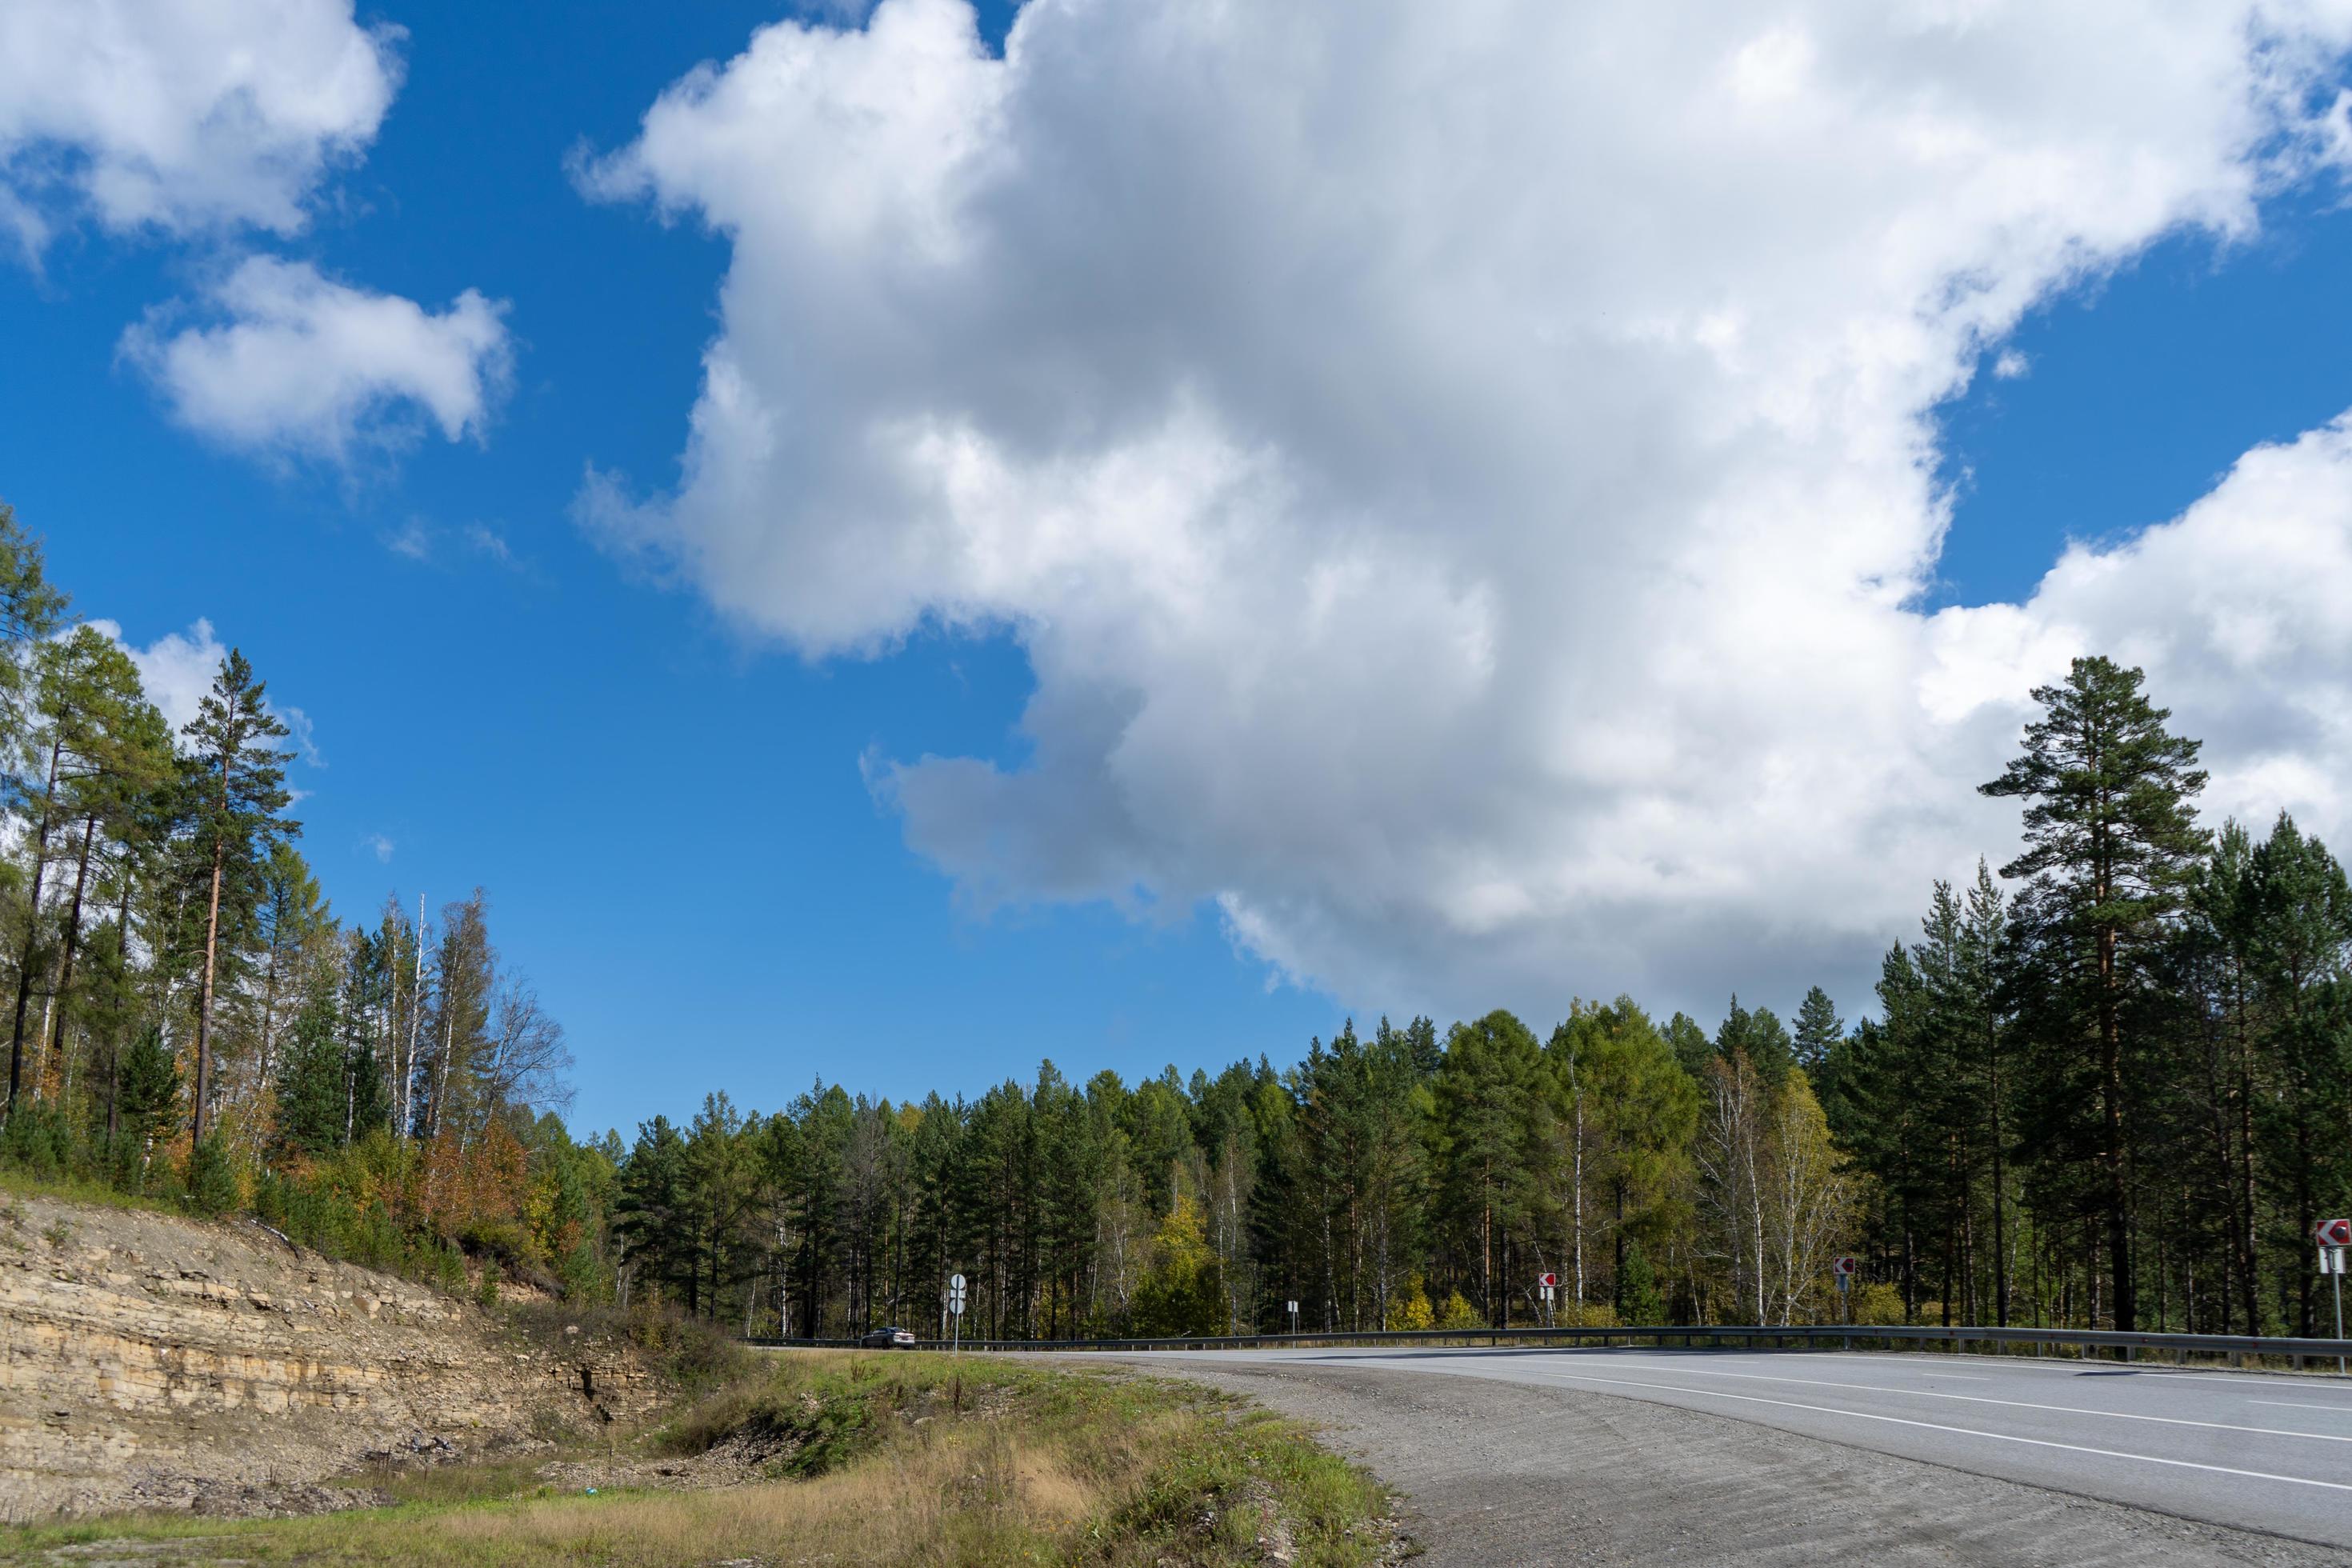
[{"x": 2271, "y": 1454}]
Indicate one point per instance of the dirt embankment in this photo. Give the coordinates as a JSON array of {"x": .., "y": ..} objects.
[{"x": 147, "y": 1362}]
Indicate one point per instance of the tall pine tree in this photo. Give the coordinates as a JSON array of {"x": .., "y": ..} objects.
[
  {"x": 242, "y": 790},
  {"x": 2110, "y": 845}
]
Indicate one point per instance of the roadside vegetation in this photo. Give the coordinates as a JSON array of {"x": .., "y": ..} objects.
[
  {"x": 847, "y": 1457},
  {"x": 2103, "y": 1087}
]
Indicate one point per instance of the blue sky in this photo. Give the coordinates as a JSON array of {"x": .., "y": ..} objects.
[{"x": 672, "y": 812}]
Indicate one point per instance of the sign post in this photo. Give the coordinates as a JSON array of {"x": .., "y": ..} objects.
[
  {"x": 2335, "y": 1236},
  {"x": 1545, "y": 1284},
  {"x": 1294, "y": 1317},
  {"x": 955, "y": 1310},
  {"x": 1842, "y": 1270}
]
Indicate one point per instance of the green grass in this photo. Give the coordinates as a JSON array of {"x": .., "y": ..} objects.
[
  {"x": 18, "y": 1181},
  {"x": 860, "y": 1457}
]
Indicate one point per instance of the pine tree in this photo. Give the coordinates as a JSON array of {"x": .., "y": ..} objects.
[
  {"x": 2112, "y": 842},
  {"x": 123, "y": 765},
  {"x": 2301, "y": 936},
  {"x": 312, "y": 1092},
  {"x": 1819, "y": 1029},
  {"x": 1489, "y": 1125},
  {"x": 1761, "y": 1038},
  {"x": 236, "y": 812},
  {"x": 86, "y": 709},
  {"x": 147, "y": 1100},
  {"x": 31, "y": 608}
]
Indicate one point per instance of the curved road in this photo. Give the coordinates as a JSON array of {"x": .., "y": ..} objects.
[{"x": 2246, "y": 1451}]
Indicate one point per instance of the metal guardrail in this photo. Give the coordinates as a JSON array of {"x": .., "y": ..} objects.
[{"x": 2237, "y": 1348}]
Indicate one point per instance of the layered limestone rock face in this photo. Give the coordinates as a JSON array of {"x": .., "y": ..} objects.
[{"x": 147, "y": 1362}]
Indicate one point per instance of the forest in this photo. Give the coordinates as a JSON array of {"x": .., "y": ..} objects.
[{"x": 2105, "y": 1084}]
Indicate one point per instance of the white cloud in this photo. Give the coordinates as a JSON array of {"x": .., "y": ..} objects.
[
  {"x": 302, "y": 735},
  {"x": 291, "y": 360},
  {"x": 2010, "y": 364},
  {"x": 182, "y": 115},
  {"x": 176, "y": 671},
  {"x": 380, "y": 847},
  {"x": 1464, "y": 475},
  {"x": 424, "y": 542}
]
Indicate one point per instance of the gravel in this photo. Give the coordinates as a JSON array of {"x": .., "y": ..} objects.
[{"x": 1495, "y": 1473}]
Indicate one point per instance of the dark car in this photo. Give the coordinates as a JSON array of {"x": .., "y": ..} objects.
[{"x": 886, "y": 1337}]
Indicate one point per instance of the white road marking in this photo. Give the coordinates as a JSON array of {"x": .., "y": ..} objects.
[
  {"x": 2285, "y": 1405},
  {"x": 1957, "y": 1431},
  {"x": 2063, "y": 1368},
  {"x": 2015, "y": 1403}
]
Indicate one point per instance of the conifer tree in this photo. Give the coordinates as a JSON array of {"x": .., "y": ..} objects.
[
  {"x": 1819, "y": 1028},
  {"x": 240, "y": 792},
  {"x": 2112, "y": 842},
  {"x": 2300, "y": 929},
  {"x": 1490, "y": 1123},
  {"x": 312, "y": 1095},
  {"x": 31, "y": 607}
]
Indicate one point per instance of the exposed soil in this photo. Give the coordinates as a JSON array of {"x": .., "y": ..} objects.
[{"x": 148, "y": 1362}]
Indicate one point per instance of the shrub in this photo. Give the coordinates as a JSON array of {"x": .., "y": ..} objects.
[
  {"x": 1458, "y": 1313},
  {"x": 211, "y": 1179},
  {"x": 1878, "y": 1304},
  {"x": 1639, "y": 1302},
  {"x": 1410, "y": 1311},
  {"x": 36, "y": 1140}
]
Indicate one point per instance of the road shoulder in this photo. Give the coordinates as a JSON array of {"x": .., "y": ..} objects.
[{"x": 1498, "y": 1474}]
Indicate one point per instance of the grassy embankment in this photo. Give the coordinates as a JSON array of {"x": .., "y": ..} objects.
[{"x": 853, "y": 1458}]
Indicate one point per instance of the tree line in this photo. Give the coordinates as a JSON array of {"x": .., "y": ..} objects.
[
  {"x": 2110, "y": 1086},
  {"x": 2107, "y": 1085}
]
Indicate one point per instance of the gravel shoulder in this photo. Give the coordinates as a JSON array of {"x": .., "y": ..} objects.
[{"x": 1496, "y": 1473}]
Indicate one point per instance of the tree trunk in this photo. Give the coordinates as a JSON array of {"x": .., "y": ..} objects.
[
  {"x": 269, "y": 1016},
  {"x": 73, "y": 936},
  {"x": 31, "y": 933},
  {"x": 2111, "y": 1095},
  {"x": 2248, "y": 1282},
  {"x": 205, "y": 998},
  {"x": 2000, "y": 1203},
  {"x": 114, "y": 1036}
]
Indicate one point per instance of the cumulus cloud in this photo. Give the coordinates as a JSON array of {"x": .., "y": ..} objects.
[
  {"x": 380, "y": 847},
  {"x": 1464, "y": 476},
  {"x": 182, "y": 115},
  {"x": 285, "y": 359},
  {"x": 176, "y": 671}
]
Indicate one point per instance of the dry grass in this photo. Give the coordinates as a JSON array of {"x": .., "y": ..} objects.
[{"x": 902, "y": 1458}]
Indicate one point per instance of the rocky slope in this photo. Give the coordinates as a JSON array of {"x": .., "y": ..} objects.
[{"x": 147, "y": 1362}]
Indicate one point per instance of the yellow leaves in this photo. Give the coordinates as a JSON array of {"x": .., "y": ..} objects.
[
  {"x": 1409, "y": 1310},
  {"x": 1458, "y": 1313},
  {"x": 1183, "y": 1239}
]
